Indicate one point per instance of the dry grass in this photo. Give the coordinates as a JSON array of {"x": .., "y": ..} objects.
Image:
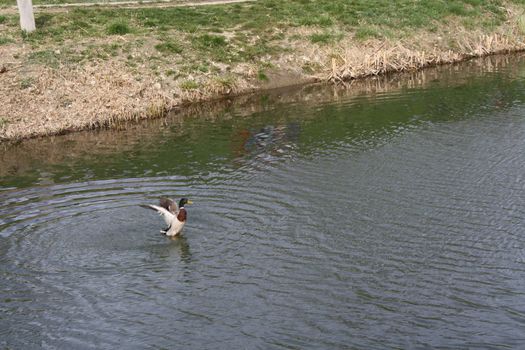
[
  {"x": 66, "y": 100},
  {"x": 374, "y": 57}
]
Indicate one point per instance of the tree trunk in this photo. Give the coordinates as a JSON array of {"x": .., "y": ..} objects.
[{"x": 27, "y": 19}]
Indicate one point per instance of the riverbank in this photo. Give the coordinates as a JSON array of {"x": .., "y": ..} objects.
[{"x": 98, "y": 67}]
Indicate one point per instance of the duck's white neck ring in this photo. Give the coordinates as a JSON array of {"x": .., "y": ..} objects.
[{"x": 181, "y": 208}]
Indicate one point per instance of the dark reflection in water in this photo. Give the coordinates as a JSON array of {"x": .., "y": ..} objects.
[
  {"x": 386, "y": 215},
  {"x": 269, "y": 142}
]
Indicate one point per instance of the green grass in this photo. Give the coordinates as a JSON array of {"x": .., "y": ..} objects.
[
  {"x": 261, "y": 75},
  {"x": 5, "y": 40},
  {"x": 367, "y": 32},
  {"x": 45, "y": 57},
  {"x": 189, "y": 85},
  {"x": 255, "y": 19},
  {"x": 324, "y": 38},
  {"x": 119, "y": 27},
  {"x": 26, "y": 83},
  {"x": 239, "y": 32},
  {"x": 169, "y": 47},
  {"x": 208, "y": 41}
]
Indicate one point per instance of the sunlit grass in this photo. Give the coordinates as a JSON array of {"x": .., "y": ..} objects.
[
  {"x": 119, "y": 27},
  {"x": 244, "y": 32},
  {"x": 189, "y": 85},
  {"x": 5, "y": 40},
  {"x": 169, "y": 47},
  {"x": 257, "y": 17}
]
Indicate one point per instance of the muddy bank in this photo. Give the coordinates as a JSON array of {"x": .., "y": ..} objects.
[{"x": 39, "y": 99}]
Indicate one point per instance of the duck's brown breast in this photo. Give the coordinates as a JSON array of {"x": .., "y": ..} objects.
[{"x": 182, "y": 215}]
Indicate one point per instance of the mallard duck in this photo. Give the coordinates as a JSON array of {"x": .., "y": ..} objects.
[{"x": 174, "y": 215}]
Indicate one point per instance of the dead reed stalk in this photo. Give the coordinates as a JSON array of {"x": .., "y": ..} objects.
[{"x": 355, "y": 61}]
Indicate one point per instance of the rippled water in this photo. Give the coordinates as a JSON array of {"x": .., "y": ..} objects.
[{"x": 389, "y": 215}]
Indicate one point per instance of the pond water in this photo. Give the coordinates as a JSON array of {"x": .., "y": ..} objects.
[{"x": 389, "y": 214}]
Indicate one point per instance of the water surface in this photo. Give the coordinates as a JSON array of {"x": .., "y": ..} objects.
[{"x": 386, "y": 215}]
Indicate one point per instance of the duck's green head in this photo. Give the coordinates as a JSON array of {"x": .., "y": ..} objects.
[{"x": 184, "y": 201}]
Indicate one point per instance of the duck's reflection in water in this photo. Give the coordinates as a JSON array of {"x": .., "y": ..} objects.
[
  {"x": 181, "y": 244},
  {"x": 175, "y": 249}
]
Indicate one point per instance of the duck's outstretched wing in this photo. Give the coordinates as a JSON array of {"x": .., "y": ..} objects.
[
  {"x": 169, "y": 205},
  {"x": 166, "y": 215}
]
